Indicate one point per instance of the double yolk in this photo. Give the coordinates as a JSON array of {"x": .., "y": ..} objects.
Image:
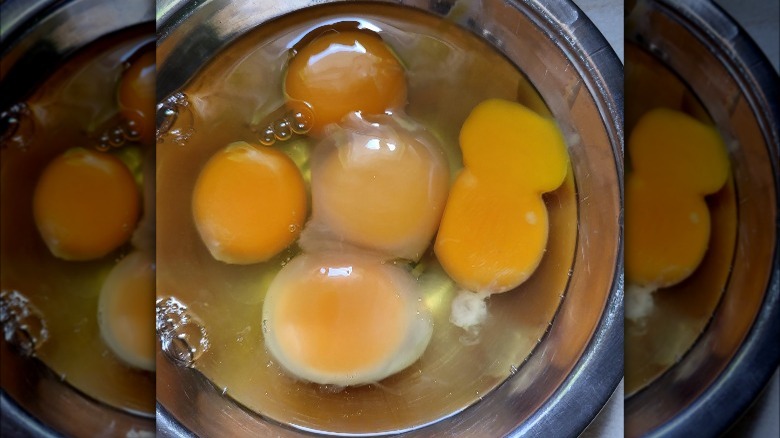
[
  {"x": 494, "y": 229},
  {"x": 676, "y": 161}
]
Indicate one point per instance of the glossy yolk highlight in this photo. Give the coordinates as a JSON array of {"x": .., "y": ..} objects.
[
  {"x": 385, "y": 194},
  {"x": 676, "y": 161},
  {"x": 494, "y": 229},
  {"x": 249, "y": 203},
  {"x": 344, "y": 72},
  {"x": 135, "y": 95},
  {"x": 126, "y": 310},
  {"x": 344, "y": 319},
  {"x": 86, "y": 204}
]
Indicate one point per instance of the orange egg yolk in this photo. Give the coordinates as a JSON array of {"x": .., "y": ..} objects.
[
  {"x": 494, "y": 229},
  {"x": 135, "y": 96},
  {"x": 86, "y": 204},
  {"x": 344, "y": 319},
  {"x": 249, "y": 203},
  {"x": 381, "y": 193},
  {"x": 126, "y": 310},
  {"x": 676, "y": 161},
  {"x": 344, "y": 72}
]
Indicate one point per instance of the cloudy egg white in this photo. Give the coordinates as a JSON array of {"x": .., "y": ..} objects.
[
  {"x": 344, "y": 319},
  {"x": 378, "y": 183}
]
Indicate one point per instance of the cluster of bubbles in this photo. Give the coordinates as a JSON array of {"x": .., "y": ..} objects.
[
  {"x": 22, "y": 324},
  {"x": 182, "y": 336},
  {"x": 118, "y": 134},
  {"x": 16, "y": 127},
  {"x": 282, "y": 129},
  {"x": 174, "y": 119}
]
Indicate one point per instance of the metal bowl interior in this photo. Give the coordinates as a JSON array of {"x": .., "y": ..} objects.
[
  {"x": 38, "y": 37},
  {"x": 736, "y": 354},
  {"x": 579, "y": 361}
]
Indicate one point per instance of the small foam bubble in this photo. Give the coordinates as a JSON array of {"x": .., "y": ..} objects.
[
  {"x": 282, "y": 130},
  {"x": 640, "y": 302},
  {"x": 267, "y": 137}
]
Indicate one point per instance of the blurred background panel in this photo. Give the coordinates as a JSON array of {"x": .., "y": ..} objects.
[
  {"x": 699, "y": 350},
  {"x": 77, "y": 83}
]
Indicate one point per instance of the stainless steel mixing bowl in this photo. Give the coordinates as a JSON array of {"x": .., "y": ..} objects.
[
  {"x": 732, "y": 360},
  {"x": 37, "y": 37},
  {"x": 579, "y": 362}
]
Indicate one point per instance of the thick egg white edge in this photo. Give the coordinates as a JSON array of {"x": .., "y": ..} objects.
[
  {"x": 108, "y": 295},
  {"x": 415, "y": 342}
]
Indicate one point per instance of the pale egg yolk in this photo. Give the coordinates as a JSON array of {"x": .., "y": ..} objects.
[
  {"x": 343, "y": 72},
  {"x": 126, "y": 310},
  {"x": 344, "y": 319},
  {"x": 494, "y": 229},
  {"x": 135, "y": 95},
  {"x": 249, "y": 203},
  {"x": 676, "y": 160},
  {"x": 379, "y": 187},
  {"x": 86, "y": 204}
]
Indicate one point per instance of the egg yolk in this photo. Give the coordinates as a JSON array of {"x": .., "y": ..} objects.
[
  {"x": 135, "y": 96},
  {"x": 249, "y": 203},
  {"x": 86, "y": 204},
  {"x": 126, "y": 310},
  {"x": 676, "y": 161},
  {"x": 494, "y": 229},
  {"x": 379, "y": 187},
  {"x": 343, "y": 72},
  {"x": 344, "y": 319}
]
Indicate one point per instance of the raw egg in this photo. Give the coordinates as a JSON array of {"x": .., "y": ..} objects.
[
  {"x": 344, "y": 319},
  {"x": 126, "y": 310},
  {"x": 135, "y": 96},
  {"x": 379, "y": 184},
  {"x": 494, "y": 229},
  {"x": 249, "y": 203},
  {"x": 676, "y": 161},
  {"x": 343, "y": 72},
  {"x": 86, "y": 204}
]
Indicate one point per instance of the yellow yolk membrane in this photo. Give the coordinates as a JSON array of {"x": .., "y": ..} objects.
[
  {"x": 135, "y": 95},
  {"x": 343, "y": 72},
  {"x": 344, "y": 319},
  {"x": 379, "y": 185},
  {"x": 249, "y": 203},
  {"x": 676, "y": 161},
  {"x": 494, "y": 229},
  {"x": 126, "y": 310},
  {"x": 86, "y": 204}
]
